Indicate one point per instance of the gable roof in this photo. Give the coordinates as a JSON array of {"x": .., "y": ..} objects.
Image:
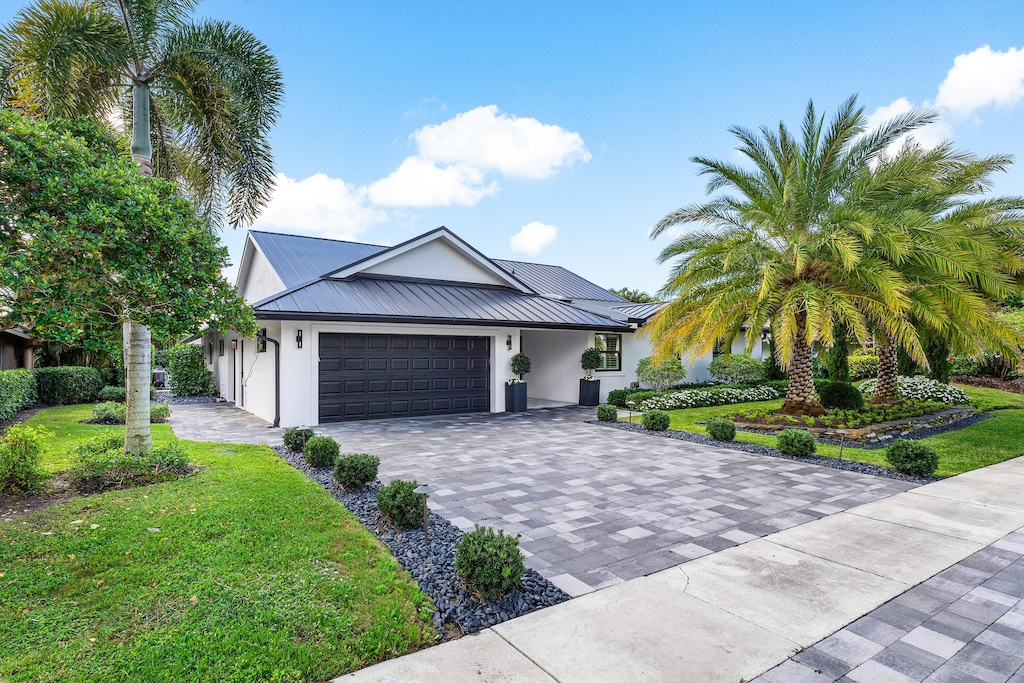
[
  {"x": 557, "y": 281},
  {"x": 299, "y": 259}
]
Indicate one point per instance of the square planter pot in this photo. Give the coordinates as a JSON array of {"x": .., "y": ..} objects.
[
  {"x": 590, "y": 392},
  {"x": 515, "y": 398}
]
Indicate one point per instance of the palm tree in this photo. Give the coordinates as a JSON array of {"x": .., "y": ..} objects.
[
  {"x": 796, "y": 246},
  {"x": 200, "y": 99}
]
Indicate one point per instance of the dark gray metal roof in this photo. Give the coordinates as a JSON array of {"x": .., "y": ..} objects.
[
  {"x": 299, "y": 259},
  {"x": 640, "y": 312},
  {"x": 545, "y": 279},
  {"x": 390, "y": 300}
]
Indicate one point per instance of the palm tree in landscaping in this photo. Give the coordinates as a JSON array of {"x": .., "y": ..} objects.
[
  {"x": 794, "y": 244},
  {"x": 199, "y": 99}
]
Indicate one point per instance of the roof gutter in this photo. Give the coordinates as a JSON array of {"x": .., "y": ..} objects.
[{"x": 345, "y": 317}]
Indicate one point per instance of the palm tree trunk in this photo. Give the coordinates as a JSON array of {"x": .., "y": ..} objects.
[
  {"x": 137, "y": 433},
  {"x": 886, "y": 389},
  {"x": 801, "y": 398}
]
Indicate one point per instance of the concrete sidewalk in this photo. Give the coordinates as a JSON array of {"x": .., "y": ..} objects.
[{"x": 735, "y": 614}]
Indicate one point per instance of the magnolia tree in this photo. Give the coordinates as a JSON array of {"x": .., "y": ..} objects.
[{"x": 90, "y": 246}]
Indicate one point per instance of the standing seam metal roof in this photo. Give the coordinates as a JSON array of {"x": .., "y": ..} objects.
[
  {"x": 545, "y": 279},
  {"x": 299, "y": 259}
]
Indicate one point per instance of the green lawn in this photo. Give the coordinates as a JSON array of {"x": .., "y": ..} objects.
[
  {"x": 985, "y": 443},
  {"x": 255, "y": 573}
]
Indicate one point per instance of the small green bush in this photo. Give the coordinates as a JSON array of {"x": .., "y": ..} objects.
[
  {"x": 321, "y": 451},
  {"x": 295, "y": 439},
  {"x": 618, "y": 397},
  {"x": 67, "y": 385},
  {"x": 736, "y": 368},
  {"x": 489, "y": 562},
  {"x": 796, "y": 442},
  {"x": 661, "y": 375},
  {"x": 159, "y": 412},
  {"x": 863, "y": 367},
  {"x": 356, "y": 470},
  {"x": 20, "y": 471},
  {"x": 398, "y": 504},
  {"x": 112, "y": 413},
  {"x": 112, "y": 394},
  {"x": 656, "y": 420},
  {"x": 189, "y": 376},
  {"x": 721, "y": 428},
  {"x": 912, "y": 457},
  {"x": 607, "y": 413},
  {"x": 17, "y": 392},
  {"x": 840, "y": 395},
  {"x": 101, "y": 463}
]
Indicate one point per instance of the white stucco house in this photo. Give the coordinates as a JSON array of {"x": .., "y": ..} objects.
[{"x": 362, "y": 331}]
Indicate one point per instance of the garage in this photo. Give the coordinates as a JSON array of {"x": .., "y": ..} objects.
[{"x": 370, "y": 376}]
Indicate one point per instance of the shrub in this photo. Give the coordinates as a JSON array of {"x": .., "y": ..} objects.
[
  {"x": 17, "y": 392},
  {"x": 67, "y": 385},
  {"x": 112, "y": 413},
  {"x": 590, "y": 360},
  {"x": 399, "y": 505},
  {"x": 356, "y": 470},
  {"x": 321, "y": 451},
  {"x": 912, "y": 457},
  {"x": 656, "y": 420},
  {"x": 521, "y": 365},
  {"x": 661, "y": 375},
  {"x": 19, "y": 460},
  {"x": 101, "y": 464},
  {"x": 996, "y": 366},
  {"x": 796, "y": 442},
  {"x": 715, "y": 396},
  {"x": 618, "y": 397},
  {"x": 721, "y": 428},
  {"x": 923, "y": 389},
  {"x": 607, "y": 413},
  {"x": 735, "y": 368},
  {"x": 964, "y": 366},
  {"x": 189, "y": 376},
  {"x": 112, "y": 394},
  {"x": 489, "y": 562},
  {"x": 295, "y": 439},
  {"x": 863, "y": 366},
  {"x": 159, "y": 412},
  {"x": 841, "y": 395}
]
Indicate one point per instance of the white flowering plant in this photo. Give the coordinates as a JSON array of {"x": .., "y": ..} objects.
[
  {"x": 515, "y": 380},
  {"x": 703, "y": 398},
  {"x": 923, "y": 389}
]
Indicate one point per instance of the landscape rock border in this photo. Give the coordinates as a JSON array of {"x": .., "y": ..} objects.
[{"x": 433, "y": 566}]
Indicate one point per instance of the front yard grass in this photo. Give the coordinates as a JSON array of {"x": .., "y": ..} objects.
[
  {"x": 986, "y": 443},
  {"x": 245, "y": 571}
]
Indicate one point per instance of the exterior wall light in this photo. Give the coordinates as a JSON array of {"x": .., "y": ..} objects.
[
  {"x": 234, "y": 344},
  {"x": 508, "y": 342},
  {"x": 298, "y": 338}
]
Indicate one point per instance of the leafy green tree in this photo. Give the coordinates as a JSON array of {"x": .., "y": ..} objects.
[
  {"x": 662, "y": 374},
  {"x": 788, "y": 245},
  {"x": 634, "y": 295},
  {"x": 88, "y": 243},
  {"x": 837, "y": 357}
]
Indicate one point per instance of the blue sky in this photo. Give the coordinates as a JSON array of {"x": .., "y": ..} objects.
[{"x": 583, "y": 116}]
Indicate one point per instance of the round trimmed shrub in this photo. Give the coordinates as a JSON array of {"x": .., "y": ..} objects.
[
  {"x": 356, "y": 470},
  {"x": 841, "y": 395},
  {"x": 721, "y": 428},
  {"x": 607, "y": 413},
  {"x": 399, "y": 505},
  {"x": 656, "y": 420},
  {"x": 736, "y": 368},
  {"x": 796, "y": 442},
  {"x": 295, "y": 439},
  {"x": 521, "y": 365},
  {"x": 912, "y": 457},
  {"x": 321, "y": 451},
  {"x": 489, "y": 562},
  {"x": 618, "y": 397}
]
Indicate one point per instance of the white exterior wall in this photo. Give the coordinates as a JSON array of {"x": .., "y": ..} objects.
[
  {"x": 555, "y": 360},
  {"x": 261, "y": 280},
  {"x": 436, "y": 260}
]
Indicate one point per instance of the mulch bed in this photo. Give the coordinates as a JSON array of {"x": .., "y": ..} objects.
[
  {"x": 58, "y": 491},
  {"x": 1013, "y": 386}
]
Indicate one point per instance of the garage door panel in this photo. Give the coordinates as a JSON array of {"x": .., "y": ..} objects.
[{"x": 374, "y": 376}]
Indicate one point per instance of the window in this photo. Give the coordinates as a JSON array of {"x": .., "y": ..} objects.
[
  {"x": 610, "y": 346},
  {"x": 718, "y": 350},
  {"x": 220, "y": 350},
  {"x": 210, "y": 347},
  {"x": 261, "y": 344}
]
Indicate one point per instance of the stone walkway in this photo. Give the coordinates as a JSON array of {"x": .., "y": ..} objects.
[
  {"x": 963, "y": 625},
  {"x": 595, "y": 506}
]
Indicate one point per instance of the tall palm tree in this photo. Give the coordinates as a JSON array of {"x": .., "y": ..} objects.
[
  {"x": 795, "y": 245},
  {"x": 200, "y": 99}
]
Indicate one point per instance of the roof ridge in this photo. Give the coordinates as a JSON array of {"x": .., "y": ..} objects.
[{"x": 313, "y": 237}]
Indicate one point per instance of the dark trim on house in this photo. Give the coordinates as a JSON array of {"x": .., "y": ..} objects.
[{"x": 344, "y": 317}]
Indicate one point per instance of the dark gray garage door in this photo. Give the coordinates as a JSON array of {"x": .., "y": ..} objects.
[{"x": 365, "y": 376}]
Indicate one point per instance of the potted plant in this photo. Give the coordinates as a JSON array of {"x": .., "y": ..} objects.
[
  {"x": 515, "y": 389},
  {"x": 590, "y": 386}
]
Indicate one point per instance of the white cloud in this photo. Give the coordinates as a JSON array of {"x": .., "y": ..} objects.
[
  {"x": 319, "y": 205},
  {"x": 491, "y": 140},
  {"x": 981, "y": 78},
  {"x": 533, "y": 237},
  {"x": 929, "y": 136},
  {"x": 421, "y": 182}
]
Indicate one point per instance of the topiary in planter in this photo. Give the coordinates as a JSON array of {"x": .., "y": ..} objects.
[
  {"x": 321, "y": 451},
  {"x": 655, "y": 420},
  {"x": 489, "y": 562},
  {"x": 796, "y": 442},
  {"x": 840, "y": 395},
  {"x": 607, "y": 413},
  {"x": 590, "y": 361},
  {"x": 356, "y": 470},
  {"x": 721, "y": 428},
  {"x": 912, "y": 457},
  {"x": 295, "y": 439},
  {"x": 399, "y": 505},
  {"x": 521, "y": 365}
]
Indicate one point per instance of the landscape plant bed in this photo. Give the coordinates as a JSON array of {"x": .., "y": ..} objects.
[
  {"x": 433, "y": 567},
  {"x": 1015, "y": 386},
  {"x": 757, "y": 449}
]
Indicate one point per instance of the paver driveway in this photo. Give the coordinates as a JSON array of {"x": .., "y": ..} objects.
[{"x": 595, "y": 506}]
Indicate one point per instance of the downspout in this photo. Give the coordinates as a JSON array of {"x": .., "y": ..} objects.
[{"x": 277, "y": 378}]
